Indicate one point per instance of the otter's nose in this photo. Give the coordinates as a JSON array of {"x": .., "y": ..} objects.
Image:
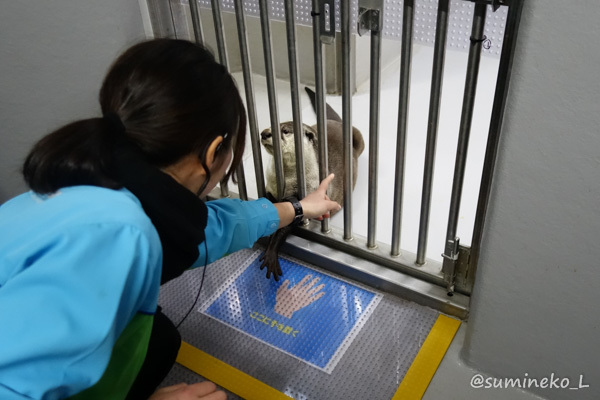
[{"x": 265, "y": 134}]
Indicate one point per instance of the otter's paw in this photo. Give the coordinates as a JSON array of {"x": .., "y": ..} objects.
[{"x": 271, "y": 262}]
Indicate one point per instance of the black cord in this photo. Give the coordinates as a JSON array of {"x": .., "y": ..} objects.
[{"x": 201, "y": 283}]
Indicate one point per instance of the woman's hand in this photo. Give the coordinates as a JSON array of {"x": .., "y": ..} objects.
[
  {"x": 199, "y": 391},
  {"x": 317, "y": 204}
]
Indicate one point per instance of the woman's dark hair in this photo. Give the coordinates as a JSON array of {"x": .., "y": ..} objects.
[{"x": 173, "y": 99}]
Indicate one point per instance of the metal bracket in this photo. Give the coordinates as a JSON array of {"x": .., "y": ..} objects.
[
  {"x": 326, "y": 14},
  {"x": 449, "y": 264},
  {"x": 494, "y": 3},
  {"x": 370, "y": 16}
]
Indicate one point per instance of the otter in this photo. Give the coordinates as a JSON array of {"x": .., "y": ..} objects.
[{"x": 270, "y": 259}]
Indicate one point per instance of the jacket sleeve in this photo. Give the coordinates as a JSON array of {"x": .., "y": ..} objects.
[
  {"x": 234, "y": 224},
  {"x": 62, "y": 313}
]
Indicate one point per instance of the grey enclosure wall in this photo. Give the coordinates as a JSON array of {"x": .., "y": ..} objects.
[
  {"x": 53, "y": 56},
  {"x": 535, "y": 303}
]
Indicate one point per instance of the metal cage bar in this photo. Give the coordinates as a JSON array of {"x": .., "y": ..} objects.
[
  {"x": 219, "y": 33},
  {"x": 346, "y": 118},
  {"x": 499, "y": 104},
  {"x": 345, "y": 240},
  {"x": 290, "y": 25},
  {"x": 250, "y": 99},
  {"x": 405, "y": 66},
  {"x": 272, "y": 94},
  {"x": 441, "y": 32},
  {"x": 223, "y": 59},
  {"x": 196, "y": 23},
  {"x": 318, "y": 14},
  {"x": 371, "y": 19},
  {"x": 452, "y": 242}
]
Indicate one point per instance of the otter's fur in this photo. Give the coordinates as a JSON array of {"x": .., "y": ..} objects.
[
  {"x": 311, "y": 156},
  {"x": 311, "y": 170}
]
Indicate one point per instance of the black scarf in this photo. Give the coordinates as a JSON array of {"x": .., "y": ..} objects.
[{"x": 178, "y": 215}]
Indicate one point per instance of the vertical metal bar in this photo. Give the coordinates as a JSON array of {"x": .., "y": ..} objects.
[
  {"x": 451, "y": 249},
  {"x": 220, "y": 36},
  {"x": 272, "y": 94},
  {"x": 196, "y": 22},
  {"x": 502, "y": 85},
  {"x": 405, "y": 66},
  {"x": 250, "y": 100},
  {"x": 346, "y": 118},
  {"x": 241, "y": 178},
  {"x": 219, "y": 33},
  {"x": 375, "y": 86},
  {"x": 441, "y": 31},
  {"x": 320, "y": 97},
  {"x": 290, "y": 25}
]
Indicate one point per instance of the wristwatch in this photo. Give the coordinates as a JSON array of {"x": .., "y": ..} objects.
[{"x": 298, "y": 213}]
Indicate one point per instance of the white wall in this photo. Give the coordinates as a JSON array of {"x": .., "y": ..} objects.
[
  {"x": 53, "y": 57},
  {"x": 535, "y": 305}
]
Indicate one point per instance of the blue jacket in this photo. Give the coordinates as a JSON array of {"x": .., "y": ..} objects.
[{"x": 80, "y": 273}]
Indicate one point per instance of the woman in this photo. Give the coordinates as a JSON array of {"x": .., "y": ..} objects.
[{"x": 114, "y": 211}]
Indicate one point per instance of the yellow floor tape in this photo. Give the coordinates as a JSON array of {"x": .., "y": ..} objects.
[
  {"x": 428, "y": 359},
  {"x": 225, "y": 375},
  {"x": 413, "y": 385}
]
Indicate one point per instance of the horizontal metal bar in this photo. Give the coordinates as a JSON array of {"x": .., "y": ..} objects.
[
  {"x": 333, "y": 245},
  {"x": 374, "y": 275},
  {"x": 430, "y": 271}
]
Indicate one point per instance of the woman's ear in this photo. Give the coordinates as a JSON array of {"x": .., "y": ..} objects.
[{"x": 212, "y": 151}]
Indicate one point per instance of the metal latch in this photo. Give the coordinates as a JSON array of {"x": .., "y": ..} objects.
[
  {"x": 449, "y": 264},
  {"x": 325, "y": 15}
]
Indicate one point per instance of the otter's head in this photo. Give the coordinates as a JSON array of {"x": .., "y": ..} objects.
[{"x": 288, "y": 146}]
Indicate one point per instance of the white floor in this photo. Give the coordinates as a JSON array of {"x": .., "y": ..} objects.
[{"x": 452, "y": 94}]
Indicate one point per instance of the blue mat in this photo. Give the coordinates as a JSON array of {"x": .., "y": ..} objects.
[{"x": 307, "y": 314}]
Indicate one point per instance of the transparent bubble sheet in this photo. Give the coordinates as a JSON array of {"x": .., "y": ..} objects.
[{"x": 351, "y": 343}]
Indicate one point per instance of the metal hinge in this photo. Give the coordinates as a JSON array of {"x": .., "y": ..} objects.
[
  {"x": 464, "y": 276},
  {"x": 457, "y": 268},
  {"x": 370, "y": 16}
]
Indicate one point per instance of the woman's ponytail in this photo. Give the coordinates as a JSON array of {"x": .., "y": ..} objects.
[
  {"x": 174, "y": 99},
  {"x": 79, "y": 153}
]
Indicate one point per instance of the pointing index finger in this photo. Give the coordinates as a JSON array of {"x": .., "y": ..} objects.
[{"x": 325, "y": 183}]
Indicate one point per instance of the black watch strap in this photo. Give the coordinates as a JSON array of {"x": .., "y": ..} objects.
[{"x": 298, "y": 213}]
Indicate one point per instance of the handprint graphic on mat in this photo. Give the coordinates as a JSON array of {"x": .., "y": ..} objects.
[{"x": 289, "y": 300}]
